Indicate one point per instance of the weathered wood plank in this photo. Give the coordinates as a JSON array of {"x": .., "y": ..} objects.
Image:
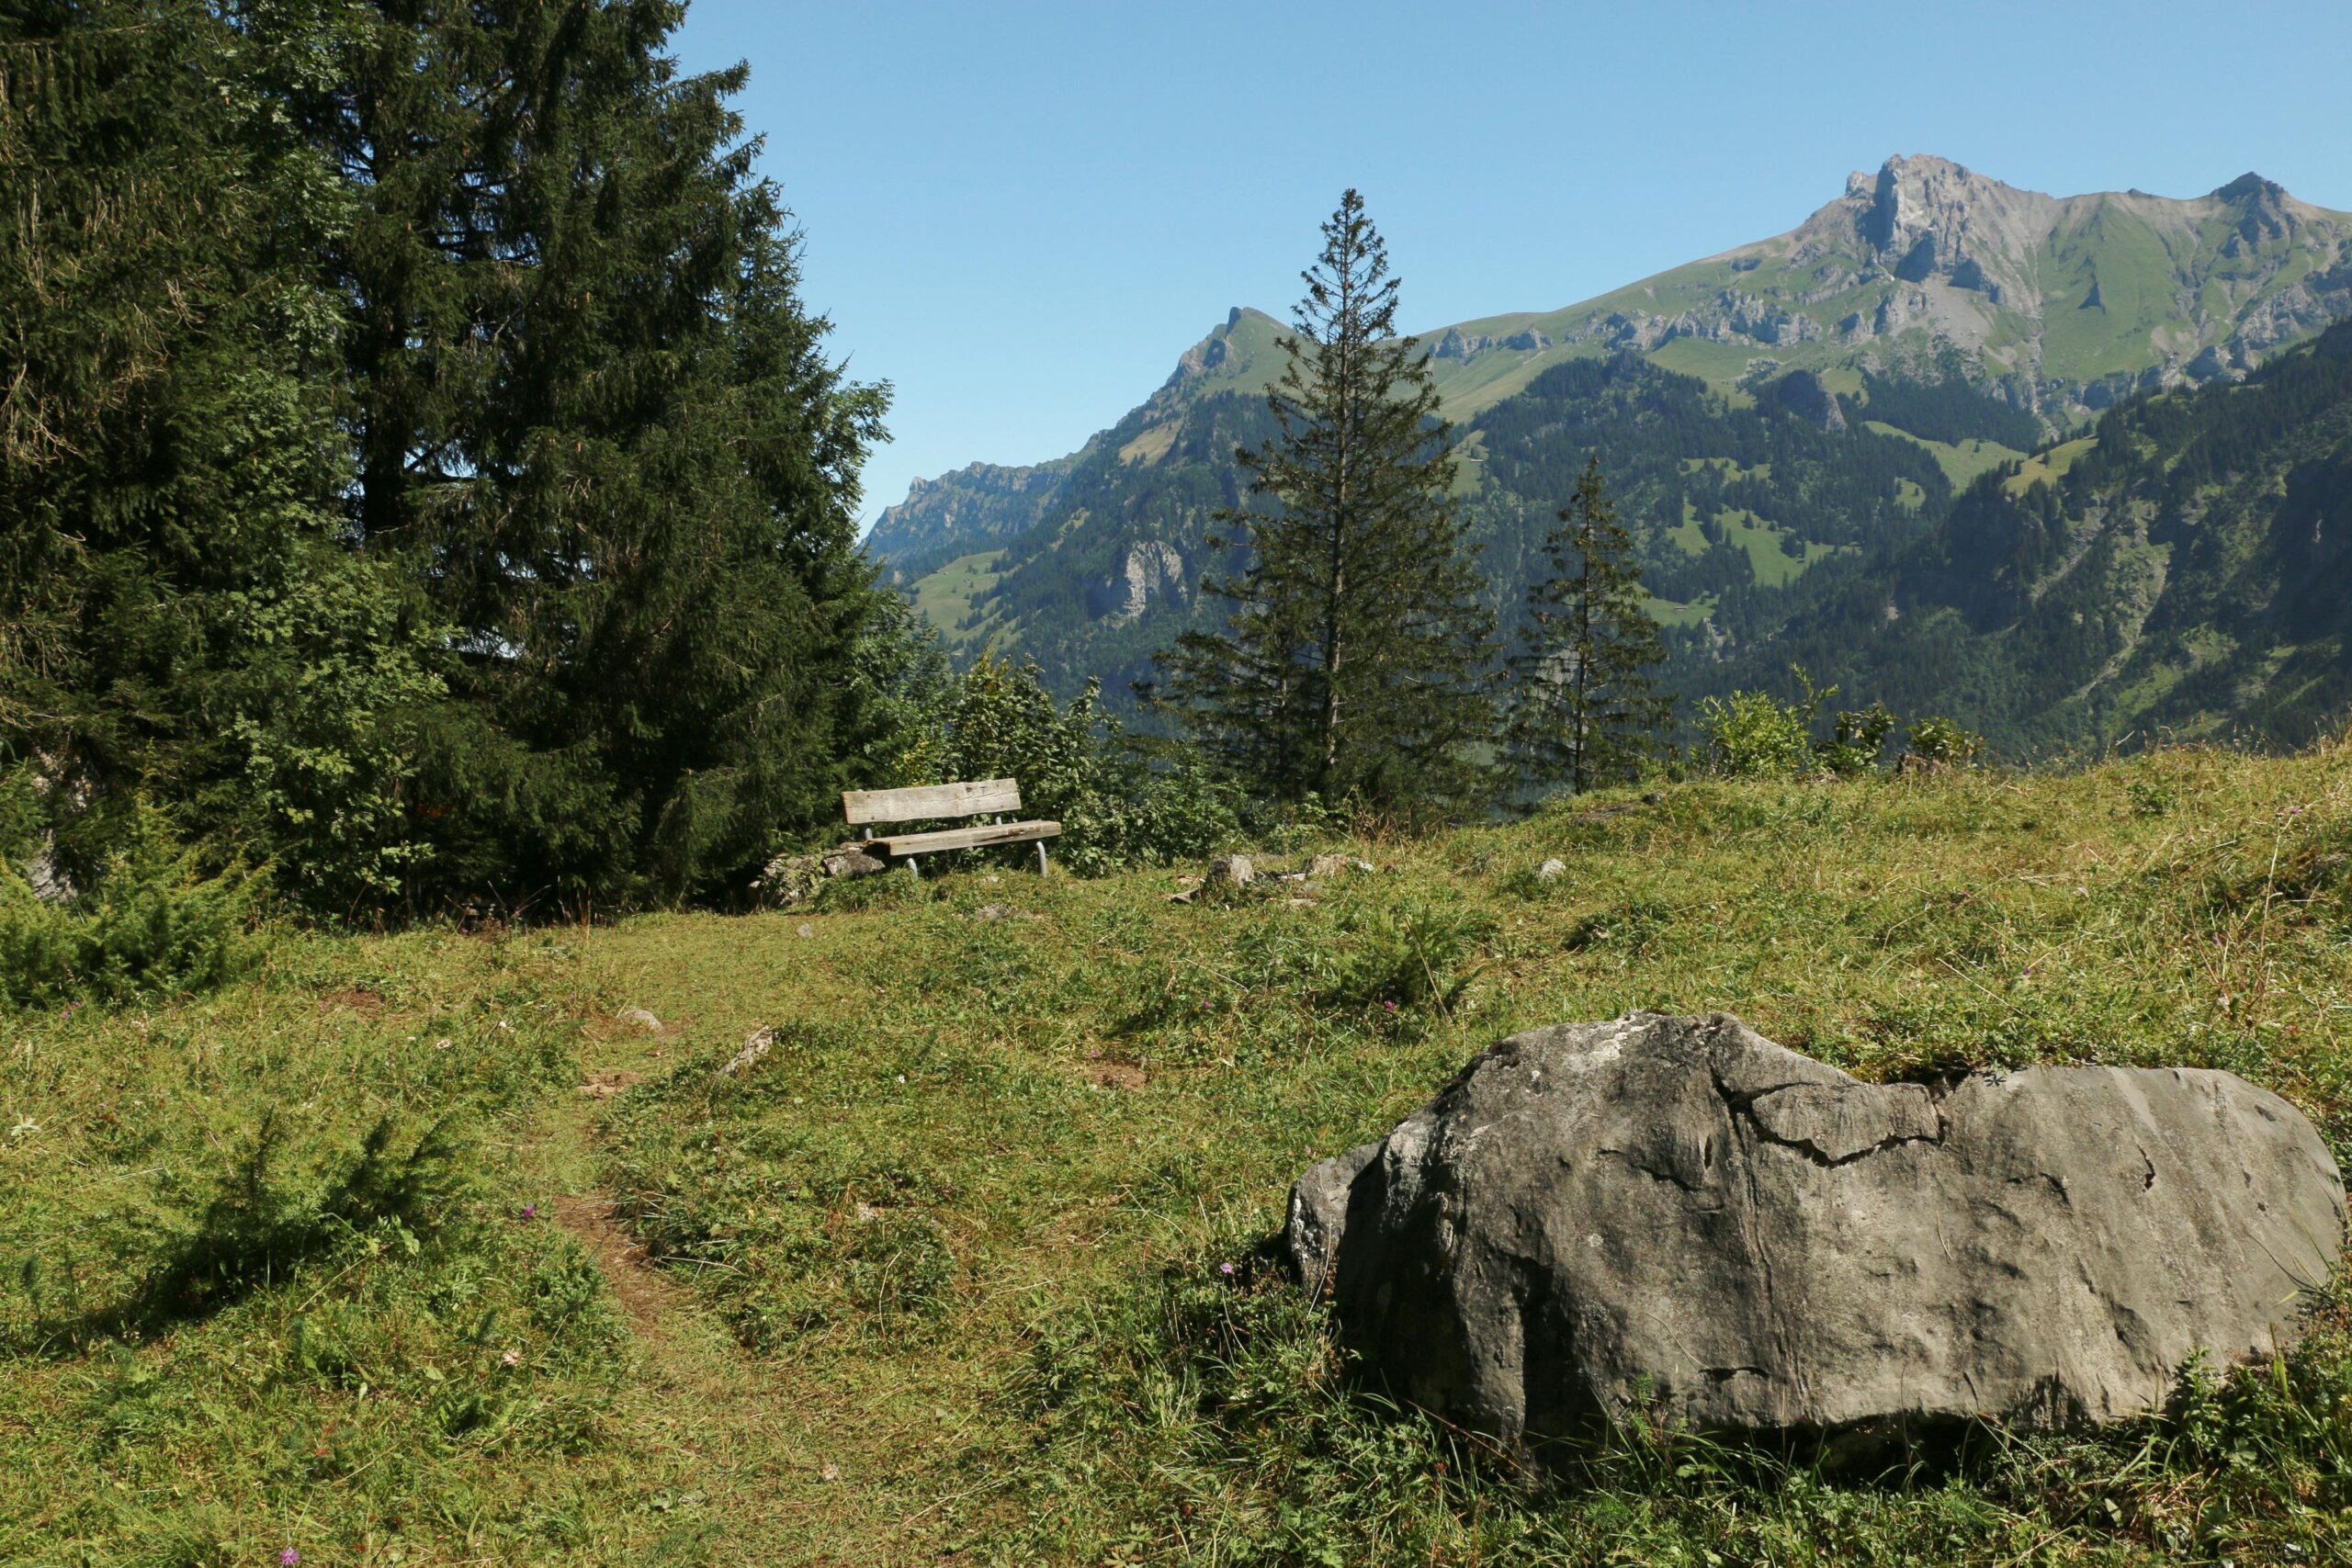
[
  {"x": 970, "y": 798},
  {"x": 963, "y": 838}
]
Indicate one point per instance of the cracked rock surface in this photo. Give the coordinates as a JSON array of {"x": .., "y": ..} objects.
[{"x": 1679, "y": 1211}]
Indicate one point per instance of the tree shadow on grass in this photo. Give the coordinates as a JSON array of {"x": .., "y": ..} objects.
[{"x": 263, "y": 1223}]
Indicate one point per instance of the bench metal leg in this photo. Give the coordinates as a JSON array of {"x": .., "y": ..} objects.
[
  {"x": 910, "y": 869},
  {"x": 1041, "y": 857}
]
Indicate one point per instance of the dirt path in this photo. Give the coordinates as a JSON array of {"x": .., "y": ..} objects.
[
  {"x": 650, "y": 1300},
  {"x": 744, "y": 1443}
]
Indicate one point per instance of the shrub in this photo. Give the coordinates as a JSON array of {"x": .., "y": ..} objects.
[
  {"x": 153, "y": 925},
  {"x": 1121, "y": 800},
  {"x": 1935, "y": 739},
  {"x": 1857, "y": 740},
  {"x": 1413, "y": 955},
  {"x": 1750, "y": 735}
]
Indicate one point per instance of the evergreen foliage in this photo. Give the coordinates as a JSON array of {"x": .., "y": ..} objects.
[
  {"x": 418, "y": 472},
  {"x": 1352, "y": 664},
  {"x": 182, "y": 611},
  {"x": 1585, "y": 712},
  {"x": 1948, "y": 411}
]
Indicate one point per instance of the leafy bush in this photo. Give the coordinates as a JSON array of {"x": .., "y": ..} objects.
[
  {"x": 1937, "y": 739},
  {"x": 1750, "y": 735},
  {"x": 153, "y": 925},
  {"x": 1120, "y": 802},
  {"x": 1414, "y": 955},
  {"x": 1857, "y": 740}
]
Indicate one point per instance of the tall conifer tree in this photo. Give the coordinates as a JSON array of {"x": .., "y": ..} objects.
[
  {"x": 181, "y": 613},
  {"x": 1583, "y": 712},
  {"x": 1351, "y": 663},
  {"x": 593, "y": 413}
]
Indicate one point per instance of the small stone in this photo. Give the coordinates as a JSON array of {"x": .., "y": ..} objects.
[
  {"x": 756, "y": 1046},
  {"x": 1323, "y": 868},
  {"x": 1550, "y": 869},
  {"x": 640, "y": 1018},
  {"x": 1232, "y": 871},
  {"x": 808, "y": 929}
]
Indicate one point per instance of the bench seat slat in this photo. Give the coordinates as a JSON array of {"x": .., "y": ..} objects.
[
  {"x": 962, "y": 837},
  {"x": 975, "y": 797}
]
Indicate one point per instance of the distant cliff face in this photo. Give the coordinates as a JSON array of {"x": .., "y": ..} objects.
[{"x": 961, "y": 513}]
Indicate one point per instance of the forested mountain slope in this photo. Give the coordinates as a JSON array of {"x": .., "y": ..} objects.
[{"x": 2186, "y": 568}]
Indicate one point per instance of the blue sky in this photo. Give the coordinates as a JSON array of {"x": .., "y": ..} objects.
[{"x": 1020, "y": 214}]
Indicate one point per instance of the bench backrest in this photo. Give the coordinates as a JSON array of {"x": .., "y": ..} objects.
[{"x": 927, "y": 802}]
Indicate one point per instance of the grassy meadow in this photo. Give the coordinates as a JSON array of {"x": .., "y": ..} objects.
[{"x": 415, "y": 1250}]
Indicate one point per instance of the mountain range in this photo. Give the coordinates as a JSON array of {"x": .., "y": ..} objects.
[{"x": 1795, "y": 427}]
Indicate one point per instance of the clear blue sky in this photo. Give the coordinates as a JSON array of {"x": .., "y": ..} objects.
[{"x": 1020, "y": 214}]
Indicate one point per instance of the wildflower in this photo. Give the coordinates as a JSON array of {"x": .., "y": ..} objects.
[
  {"x": 1390, "y": 1006},
  {"x": 530, "y": 1211},
  {"x": 512, "y": 1358},
  {"x": 1225, "y": 1269},
  {"x": 288, "y": 1558}
]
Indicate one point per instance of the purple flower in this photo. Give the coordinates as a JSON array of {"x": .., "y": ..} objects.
[
  {"x": 530, "y": 1211},
  {"x": 1225, "y": 1269},
  {"x": 1390, "y": 1006},
  {"x": 288, "y": 1558}
]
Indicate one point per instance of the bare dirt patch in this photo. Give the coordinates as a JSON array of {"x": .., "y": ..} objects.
[
  {"x": 642, "y": 1292},
  {"x": 1116, "y": 1074},
  {"x": 604, "y": 1086}
]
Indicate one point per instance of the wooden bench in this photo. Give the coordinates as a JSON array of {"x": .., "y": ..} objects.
[{"x": 927, "y": 802}]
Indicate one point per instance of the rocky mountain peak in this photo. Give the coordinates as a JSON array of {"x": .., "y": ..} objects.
[{"x": 1927, "y": 217}]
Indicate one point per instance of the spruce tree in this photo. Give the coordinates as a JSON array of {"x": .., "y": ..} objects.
[
  {"x": 182, "y": 614},
  {"x": 1351, "y": 663},
  {"x": 593, "y": 415},
  {"x": 1585, "y": 712}
]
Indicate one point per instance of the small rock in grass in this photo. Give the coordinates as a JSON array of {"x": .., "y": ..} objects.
[
  {"x": 808, "y": 929},
  {"x": 639, "y": 1016},
  {"x": 1550, "y": 869},
  {"x": 1232, "y": 870},
  {"x": 756, "y": 1046}
]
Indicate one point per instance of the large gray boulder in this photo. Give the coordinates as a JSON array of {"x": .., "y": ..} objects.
[{"x": 1676, "y": 1212}]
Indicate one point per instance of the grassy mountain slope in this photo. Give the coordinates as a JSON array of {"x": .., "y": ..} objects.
[
  {"x": 1927, "y": 307},
  {"x": 938, "y": 1279}
]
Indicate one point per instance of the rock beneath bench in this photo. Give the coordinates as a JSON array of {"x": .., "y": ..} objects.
[
  {"x": 796, "y": 879},
  {"x": 1677, "y": 1212}
]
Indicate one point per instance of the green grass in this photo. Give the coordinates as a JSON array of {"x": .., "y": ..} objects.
[
  {"x": 2048, "y": 466},
  {"x": 1774, "y": 567},
  {"x": 944, "y": 597},
  {"x": 1667, "y": 613},
  {"x": 1961, "y": 462},
  {"x": 936, "y": 1278}
]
